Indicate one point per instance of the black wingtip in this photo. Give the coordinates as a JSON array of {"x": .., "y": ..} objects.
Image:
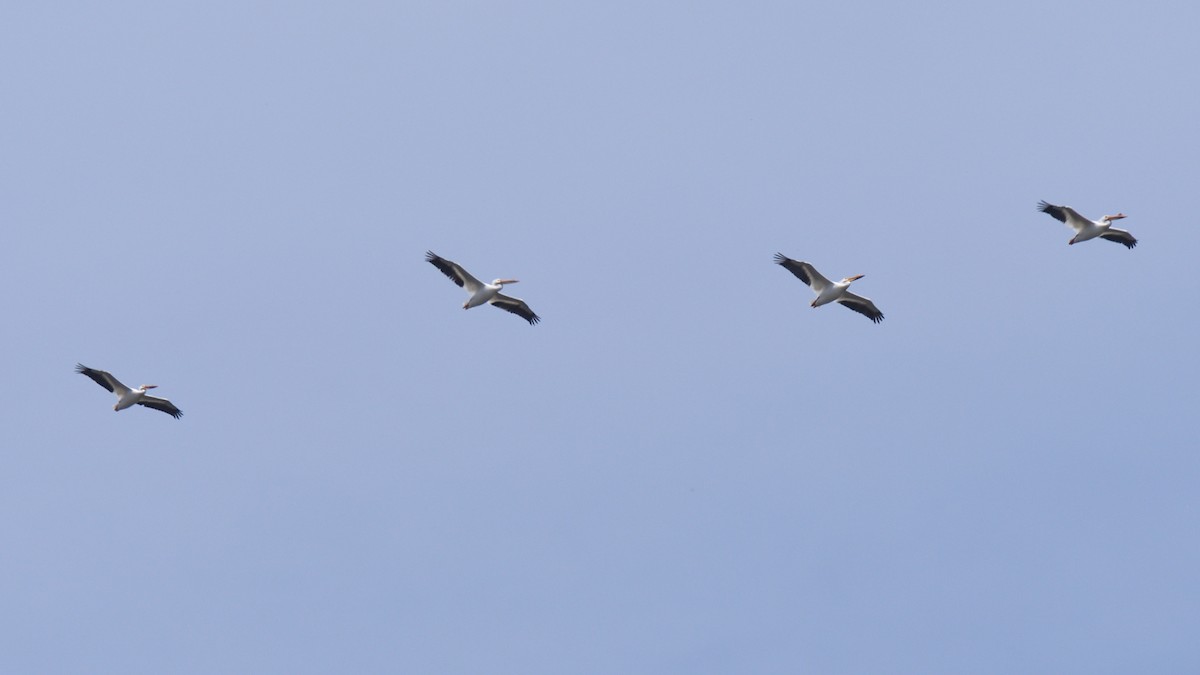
[
  {"x": 1129, "y": 242},
  {"x": 780, "y": 258}
]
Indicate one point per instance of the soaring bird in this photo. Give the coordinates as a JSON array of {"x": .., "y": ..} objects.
[
  {"x": 828, "y": 291},
  {"x": 481, "y": 292},
  {"x": 126, "y": 397},
  {"x": 1088, "y": 229}
]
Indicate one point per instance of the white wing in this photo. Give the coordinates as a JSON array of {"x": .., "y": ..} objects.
[
  {"x": 454, "y": 271},
  {"x": 104, "y": 379},
  {"x": 516, "y": 306},
  {"x": 1066, "y": 215},
  {"x": 803, "y": 271},
  {"x": 161, "y": 404},
  {"x": 861, "y": 305},
  {"x": 1120, "y": 236}
]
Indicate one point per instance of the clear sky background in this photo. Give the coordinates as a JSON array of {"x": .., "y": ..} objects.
[{"x": 683, "y": 468}]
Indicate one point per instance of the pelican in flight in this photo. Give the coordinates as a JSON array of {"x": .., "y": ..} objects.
[
  {"x": 1088, "y": 229},
  {"x": 126, "y": 397},
  {"x": 481, "y": 292},
  {"x": 828, "y": 291}
]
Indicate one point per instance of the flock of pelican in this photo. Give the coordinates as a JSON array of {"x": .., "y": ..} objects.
[{"x": 481, "y": 293}]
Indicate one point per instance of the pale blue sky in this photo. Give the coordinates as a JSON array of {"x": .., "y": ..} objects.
[{"x": 683, "y": 468}]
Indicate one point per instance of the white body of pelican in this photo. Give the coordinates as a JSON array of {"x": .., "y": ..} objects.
[
  {"x": 1088, "y": 229},
  {"x": 480, "y": 292},
  {"x": 127, "y": 397},
  {"x": 828, "y": 291}
]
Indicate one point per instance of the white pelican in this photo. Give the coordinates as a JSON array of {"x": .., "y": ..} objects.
[
  {"x": 1088, "y": 229},
  {"x": 828, "y": 291},
  {"x": 481, "y": 292},
  {"x": 126, "y": 397}
]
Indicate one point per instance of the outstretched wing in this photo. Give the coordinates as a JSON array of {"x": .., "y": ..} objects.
[
  {"x": 1064, "y": 214},
  {"x": 1119, "y": 236},
  {"x": 454, "y": 272},
  {"x": 861, "y": 305},
  {"x": 103, "y": 379},
  {"x": 161, "y": 404},
  {"x": 516, "y": 306},
  {"x": 803, "y": 271}
]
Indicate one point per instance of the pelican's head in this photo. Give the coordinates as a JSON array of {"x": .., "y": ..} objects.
[
  {"x": 1116, "y": 217},
  {"x": 856, "y": 277},
  {"x": 501, "y": 282},
  {"x": 149, "y": 386}
]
